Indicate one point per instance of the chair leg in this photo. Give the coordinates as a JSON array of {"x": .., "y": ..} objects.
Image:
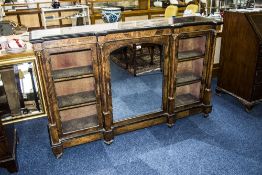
[
  {"x": 161, "y": 57},
  {"x": 152, "y": 55},
  {"x": 134, "y": 59},
  {"x": 125, "y": 56}
]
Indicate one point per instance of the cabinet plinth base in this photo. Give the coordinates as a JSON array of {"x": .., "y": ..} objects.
[
  {"x": 108, "y": 142},
  {"x": 170, "y": 121},
  {"x": 108, "y": 137},
  {"x": 206, "y": 115},
  {"x": 58, "y": 151}
]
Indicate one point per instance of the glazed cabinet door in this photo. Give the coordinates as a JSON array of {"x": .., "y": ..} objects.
[
  {"x": 193, "y": 54},
  {"x": 74, "y": 87}
]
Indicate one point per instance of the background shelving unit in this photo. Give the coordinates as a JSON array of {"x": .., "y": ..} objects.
[{"x": 82, "y": 11}]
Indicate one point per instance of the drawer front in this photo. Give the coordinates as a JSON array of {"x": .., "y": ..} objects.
[
  {"x": 257, "y": 93},
  {"x": 258, "y": 79}
]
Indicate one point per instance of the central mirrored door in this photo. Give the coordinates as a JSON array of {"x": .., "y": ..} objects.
[{"x": 136, "y": 80}]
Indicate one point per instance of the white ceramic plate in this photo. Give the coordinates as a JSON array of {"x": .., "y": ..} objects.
[
  {"x": 25, "y": 37},
  {"x": 16, "y": 50}
]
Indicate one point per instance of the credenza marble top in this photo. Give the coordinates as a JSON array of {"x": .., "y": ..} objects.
[{"x": 103, "y": 29}]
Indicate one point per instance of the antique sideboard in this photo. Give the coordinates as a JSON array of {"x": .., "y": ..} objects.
[{"x": 75, "y": 65}]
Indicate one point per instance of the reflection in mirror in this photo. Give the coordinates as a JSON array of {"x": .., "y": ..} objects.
[
  {"x": 19, "y": 91},
  {"x": 136, "y": 80}
]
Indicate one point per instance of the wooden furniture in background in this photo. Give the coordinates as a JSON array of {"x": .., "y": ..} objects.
[
  {"x": 241, "y": 57},
  {"x": 171, "y": 11},
  {"x": 7, "y": 62},
  {"x": 144, "y": 8},
  {"x": 8, "y": 141},
  {"x": 83, "y": 12},
  {"x": 31, "y": 17},
  {"x": 76, "y": 71}
]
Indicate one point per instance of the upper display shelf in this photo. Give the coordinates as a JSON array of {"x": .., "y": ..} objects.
[{"x": 102, "y": 29}]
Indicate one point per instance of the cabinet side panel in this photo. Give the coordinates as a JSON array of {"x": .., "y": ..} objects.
[{"x": 238, "y": 55}]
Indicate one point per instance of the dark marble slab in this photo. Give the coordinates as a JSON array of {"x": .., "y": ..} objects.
[{"x": 38, "y": 36}]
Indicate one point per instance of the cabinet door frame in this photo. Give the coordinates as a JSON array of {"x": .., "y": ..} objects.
[
  {"x": 51, "y": 85},
  {"x": 205, "y": 91},
  {"x": 113, "y": 128}
]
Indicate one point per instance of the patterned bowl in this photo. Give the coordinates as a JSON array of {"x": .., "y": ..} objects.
[{"x": 111, "y": 14}]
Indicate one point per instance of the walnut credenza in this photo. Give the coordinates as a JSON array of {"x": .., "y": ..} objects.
[{"x": 75, "y": 66}]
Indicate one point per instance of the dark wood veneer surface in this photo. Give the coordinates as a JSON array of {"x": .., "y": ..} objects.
[
  {"x": 8, "y": 141},
  {"x": 240, "y": 61},
  {"x": 73, "y": 120}
]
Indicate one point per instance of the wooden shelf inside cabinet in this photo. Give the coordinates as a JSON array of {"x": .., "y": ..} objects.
[
  {"x": 190, "y": 54},
  {"x": 73, "y": 100},
  {"x": 187, "y": 78},
  {"x": 185, "y": 99},
  {"x": 191, "y": 47},
  {"x": 188, "y": 94},
  {"x": 83, "y": 117},
  {"x": 76, "y": 72},
  {"x": 79, "y": 123},
  {"x": 189, "y": 72}
]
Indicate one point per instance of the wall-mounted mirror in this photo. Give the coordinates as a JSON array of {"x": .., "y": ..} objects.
[
  {"x": 136, "y": 80},
  {"x": 20, "y": 92}
]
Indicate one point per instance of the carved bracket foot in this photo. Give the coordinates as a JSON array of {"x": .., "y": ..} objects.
[
  {"x": 218, "y": 91},
  {"x": 171, "y": 121},
  {"x": 170, "y": 125},
  {"x": 206, "y": 115},
  {"x": 108, "y": 137},
  {"x": 11, "y": 166},
  {"x": 58, "y": 151},
  {"x": 108, "y": 142},
  {"x": 248, "y": 106}
]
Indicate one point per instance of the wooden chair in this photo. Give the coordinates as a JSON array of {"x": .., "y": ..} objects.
[
  {"x": 193, "y": 8},
  {"x": 151, "y": 50},
  {"x": 171, "y": 11}
]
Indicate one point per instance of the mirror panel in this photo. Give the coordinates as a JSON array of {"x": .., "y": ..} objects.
[
  {"x": 20, "y": 95},
  {"x": 136, "y": 80}
]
